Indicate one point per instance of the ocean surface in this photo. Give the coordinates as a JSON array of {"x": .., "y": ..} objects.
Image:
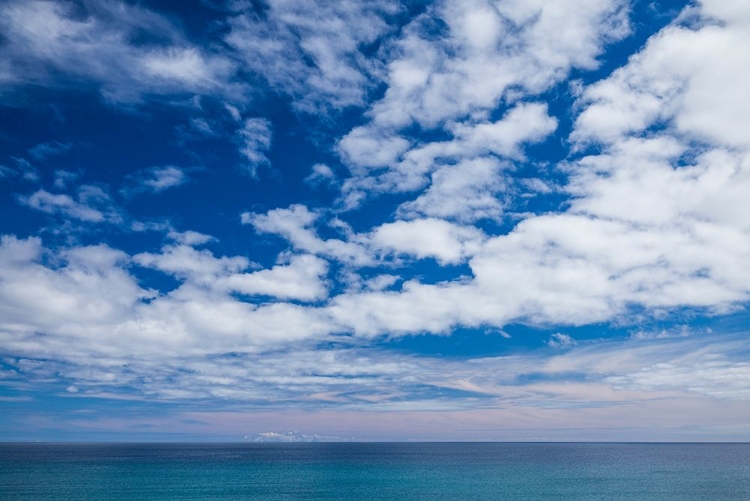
[{"x": 375, "y": 471}]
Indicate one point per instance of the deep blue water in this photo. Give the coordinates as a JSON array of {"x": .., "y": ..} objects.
[{"x": 375, "y": 471}]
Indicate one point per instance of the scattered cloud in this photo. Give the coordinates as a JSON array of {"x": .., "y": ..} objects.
[
  {"x": 255, "y": 141},
  {"x": 191, "y": 238},
  {"x": 26, "y": 169},
  {"x": 301, "y": 279},
  {"x": 560, "y": 340},
  {"x": 321, "y": 175},
  {"x": 6, "y": 172},
  {"x": 91, "y": 205},
  {"x": 64, "y": 178},
  {"x": 50, "y": 149},
  {"x": 465, "y": 174},
  {"x": 154, "y": 180},
  {"x": 418, "y": 238}
]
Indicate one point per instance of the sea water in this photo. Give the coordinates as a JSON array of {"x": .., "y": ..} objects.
[{"x": 375, "y": 471}]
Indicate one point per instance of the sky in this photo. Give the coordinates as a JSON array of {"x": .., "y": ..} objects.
[{"x": 386, "y": 220}]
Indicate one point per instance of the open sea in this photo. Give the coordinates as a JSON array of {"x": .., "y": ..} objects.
[{"x": 375, "y": 471}]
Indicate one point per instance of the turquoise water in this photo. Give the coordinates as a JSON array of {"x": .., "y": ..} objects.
[{"x": 375, "y": 471}]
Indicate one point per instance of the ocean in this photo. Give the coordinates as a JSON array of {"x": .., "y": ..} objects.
[{"x": 375, "y": 471}]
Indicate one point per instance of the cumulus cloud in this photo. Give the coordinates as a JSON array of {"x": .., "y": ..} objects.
[
  {"x": 186, "y": 262},
  {"x": 296, "y": 224},
  {"x": 418, "y": 238},
  {"x": 467, "y": 191},
  {"x": 465, "y": 173},
  {"x": 300, "y": 279},
  {"x": 488, "y": 54},
  {"x": 689, "y": 75},
  {"x": 487, "y": 50},
  {"x": 422, "y": 238},
  {"x": 88, "y": 292}
]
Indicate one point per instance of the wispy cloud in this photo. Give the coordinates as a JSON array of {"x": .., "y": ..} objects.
[
  {"x": 94, "y": 41},
  {"x": 154, "y": 180},
  {"x": 255, "y": 141},
  {"x": 313, "y": 51},
  {"x": 46, "y": 150},
  {"x": 91, "y": 204}
]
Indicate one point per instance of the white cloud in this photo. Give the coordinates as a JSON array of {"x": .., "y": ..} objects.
[
  {"x": 560, "y": 340},
  {"x": 313, "y": 51},
  {"x": 94, "y": 42},
  {"x": 487, "y": 50},
  {"x": 421, "y": 238},
  {"x": 490, "y": 55},
  {"x": 91, "y": 288},
  {"x": 295, "y": 224},
  {"x": 381, "y": 282},
  {"x": 301, "y": 278},
  {"x": 190, "y": 237},
  {"x": 255, "y": 137},
  {"x": 463, "y": 168},
  {"x": 649, "y": 225},
  {"x": 692, "y": 76},
  {"x": 185, "y": 66},
  {"x": 321, "y": 174},
  {"x": 92, "y": 205},
  {"x": 88, "y": 305},
  {"x": 199, "y": 266},
  {"x": 414, "y": 308},
  {"x": 87, "y": 322},
  {"x": 155, "y": 180},
  {"x": 467, "y": 191},
  {"x": 365, "y": 147},
  {"x": 655, "y": 219}
]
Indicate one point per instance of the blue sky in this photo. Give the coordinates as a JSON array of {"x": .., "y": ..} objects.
[{"x": 374, "y": 220}]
